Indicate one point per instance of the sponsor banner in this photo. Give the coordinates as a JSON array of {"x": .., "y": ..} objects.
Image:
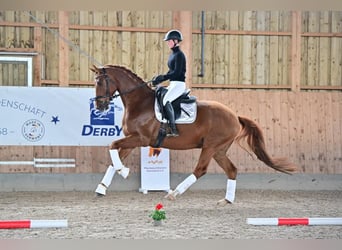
[
  {"x": 57, "y": 116},
  {"x": 155, "y": 169}
]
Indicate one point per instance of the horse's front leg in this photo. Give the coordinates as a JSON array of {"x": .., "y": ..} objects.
[
  {"x": 117, "y": 156},
  {"x": 116, "y": 166},
  {"x": 130, "y": 141},
  {"x": 125, "y": 146}
]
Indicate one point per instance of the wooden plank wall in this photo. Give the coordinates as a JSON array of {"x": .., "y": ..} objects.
[
  {"x": 235, "y": 55},
  {"x": 304, "y": 126},
  {"x": 248, "y": 49},
  {"x": 254, "y": 48},
  {"x": 241, "y": 48},
  {"x": 321, "y": 63},
  {"x": 135, "y": 50}
]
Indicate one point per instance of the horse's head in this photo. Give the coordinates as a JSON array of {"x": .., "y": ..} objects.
[{"x": 104, "y": 89}]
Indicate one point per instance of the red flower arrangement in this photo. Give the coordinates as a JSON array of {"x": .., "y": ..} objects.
[{"x": 158, "y": 214}]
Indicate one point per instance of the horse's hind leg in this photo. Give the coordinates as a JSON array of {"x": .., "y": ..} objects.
[
  {"x": 116, "y": 166},
  {"x": 200, "y": 170},
  {"x": 231, "y": 172}
]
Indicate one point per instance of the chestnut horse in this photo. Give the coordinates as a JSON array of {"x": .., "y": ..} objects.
[{"x": 215, "y": 129}]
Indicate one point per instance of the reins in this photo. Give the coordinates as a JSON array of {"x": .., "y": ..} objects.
[
  {"x": 131, "y": 90},
  {"x": 111, "y": 97}
]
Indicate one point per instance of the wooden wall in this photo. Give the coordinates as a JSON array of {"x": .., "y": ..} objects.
[
  {"x": 235, "y": 55},
  {"x": 281, "y": 68},
  {"x": 304, "y": 126},
  {"x": 135, "y": 50},
  {"x": 242, "y": 49},
  {"x": 321, "y": 61}
]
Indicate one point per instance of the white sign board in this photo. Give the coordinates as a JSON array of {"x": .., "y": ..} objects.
[
  {"x": 57, "y": 116},
  {"x": 155, "y": 169}
]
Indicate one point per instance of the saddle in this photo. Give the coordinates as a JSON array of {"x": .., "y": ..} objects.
[
  {"x": 185, "y": 109},
  {"x": 184, "y": 106}
]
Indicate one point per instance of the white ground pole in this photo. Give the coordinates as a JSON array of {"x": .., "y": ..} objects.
[
  {"x": 295, "y": 221},
  {"x": 110, "y": 172},
  {"x": 48, "y": 223}
]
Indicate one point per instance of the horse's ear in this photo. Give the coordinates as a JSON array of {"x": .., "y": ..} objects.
[{"x": 94, "y": 68}]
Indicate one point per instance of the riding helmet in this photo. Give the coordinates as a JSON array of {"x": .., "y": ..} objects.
[{"x": 173, "y": 34}]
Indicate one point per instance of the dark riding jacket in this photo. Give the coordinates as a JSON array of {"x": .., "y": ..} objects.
[{"x": 177, "y": 65}]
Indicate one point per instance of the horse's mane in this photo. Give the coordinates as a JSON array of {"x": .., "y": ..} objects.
[{"x": 128, "y": 71}]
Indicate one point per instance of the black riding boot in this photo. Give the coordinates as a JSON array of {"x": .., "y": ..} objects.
[{"x": 171, "y": 116}]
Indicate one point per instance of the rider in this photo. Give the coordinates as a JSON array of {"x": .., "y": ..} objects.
[{"x": 176, "y": 75}]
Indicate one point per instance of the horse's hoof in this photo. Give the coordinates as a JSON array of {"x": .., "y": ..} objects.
[
  {"x": 172, "y": 195},
  {"x": 101, "y": 190},
  {"x": 124, "y": 172},
  {"x": 223, "y": 202},
  {"x": 98, "y": 195}
]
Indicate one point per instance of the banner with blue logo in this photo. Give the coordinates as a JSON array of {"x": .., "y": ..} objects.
[{"x": 56, "y": 116}]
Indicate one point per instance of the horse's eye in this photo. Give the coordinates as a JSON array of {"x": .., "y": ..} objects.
[{"x": 97, "y": 80}]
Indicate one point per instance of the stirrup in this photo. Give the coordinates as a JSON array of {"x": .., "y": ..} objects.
[{"x": 172, "y": 133}]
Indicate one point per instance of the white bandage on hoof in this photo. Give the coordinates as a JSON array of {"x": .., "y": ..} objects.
[
  {"x": 124, "y": 172},
  {"x": 183, "y": 186},
  {"x": 230, "y": 192},
  {"x": 101, "y": 189}
]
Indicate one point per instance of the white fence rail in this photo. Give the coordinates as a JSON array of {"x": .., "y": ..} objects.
[{"x": 45, "y": 163}]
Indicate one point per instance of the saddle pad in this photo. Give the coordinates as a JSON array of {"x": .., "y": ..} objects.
[{"x": 190, "y": 108}]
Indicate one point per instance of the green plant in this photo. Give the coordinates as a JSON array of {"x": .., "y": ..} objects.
[{"x": 158, "y": 213}]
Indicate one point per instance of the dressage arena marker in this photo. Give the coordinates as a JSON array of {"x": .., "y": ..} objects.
[
  {"x": 293, "y": 221},
  {"x": 16, "y": 224}
]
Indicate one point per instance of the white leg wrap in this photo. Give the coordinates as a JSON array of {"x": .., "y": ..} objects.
[
  {"x": 106, "y": 180},
  {"x": 230, "y": 192},
  {"x": 117, "y": 163},
  {"x": 108, "y": 177},
  {"x": 183, "y": 186},
  {"x": 114, "y": 154}
]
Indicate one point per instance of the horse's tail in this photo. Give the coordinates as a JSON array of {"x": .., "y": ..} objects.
[{"x": 255, "y": 141}]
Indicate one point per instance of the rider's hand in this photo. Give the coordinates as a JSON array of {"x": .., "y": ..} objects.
[{"x": 158, "y": 79}]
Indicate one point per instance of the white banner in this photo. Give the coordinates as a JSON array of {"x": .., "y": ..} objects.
[
  {"x": 155, "y": 169},
  {"x": 57, "y": 116}
]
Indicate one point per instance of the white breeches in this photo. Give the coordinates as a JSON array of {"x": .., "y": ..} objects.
[{"x": 174, "y": 90}]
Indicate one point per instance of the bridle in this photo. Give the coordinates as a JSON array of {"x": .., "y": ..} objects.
[{"x": 108, "y": 95}]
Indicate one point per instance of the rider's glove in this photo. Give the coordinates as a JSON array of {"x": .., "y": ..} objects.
[{"x": 158, "y": 79}]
